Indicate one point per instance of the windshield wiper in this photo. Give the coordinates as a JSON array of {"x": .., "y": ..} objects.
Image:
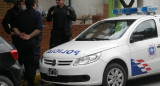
[{"x": 95, "y": 39}]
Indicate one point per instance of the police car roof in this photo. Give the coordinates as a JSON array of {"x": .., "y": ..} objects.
[{"x": 128, "y": 17}]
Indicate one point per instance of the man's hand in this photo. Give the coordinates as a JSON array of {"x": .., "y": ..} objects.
[
  {"x": 67, "y": 12},
  {"x": 52, "y": 12},
  {"x": 12, "y": 33},
  {"x": 25, "y": 36},
  {"x": 21, "y": 35}
]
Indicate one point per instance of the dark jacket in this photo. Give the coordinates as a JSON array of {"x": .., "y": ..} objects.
[
  {"x": 28, "y": 21},
  {"x": 61, "y": 21},
  {"x": 9, "y": 19}
]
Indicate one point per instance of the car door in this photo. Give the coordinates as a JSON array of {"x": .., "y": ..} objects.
[{"x": 143, "y": 48}]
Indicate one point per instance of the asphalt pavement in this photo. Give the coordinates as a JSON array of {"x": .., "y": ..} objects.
[
  {"x": 44, "y": 84},
  {"x": 153, "y": 80}
]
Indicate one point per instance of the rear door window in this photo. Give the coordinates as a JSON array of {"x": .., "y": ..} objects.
[
  {"x": 147, "y": 29},
  {"x": 5, "y": 46}
]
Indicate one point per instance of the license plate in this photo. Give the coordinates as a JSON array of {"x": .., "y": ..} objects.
[{"x": 52, "y": 72}]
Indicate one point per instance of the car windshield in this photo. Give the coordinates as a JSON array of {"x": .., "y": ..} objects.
[{"x": 106, "y": 30}]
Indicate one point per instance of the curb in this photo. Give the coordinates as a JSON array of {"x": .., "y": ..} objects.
[
  {"x": 37, "y": 78},
  {"x": 36, "y": 81}
]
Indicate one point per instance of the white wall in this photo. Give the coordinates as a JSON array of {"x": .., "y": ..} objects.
[
  {"x": 46, "y": 4},
  {"x": 93, "y": 7},
  {"x": 82, "y": 7},
  {"x": 88, "y": 7},
  {"x": 135, "y": 3},
  {"x": 148, "y": 3},
  {"x": 152, "y": 3}
]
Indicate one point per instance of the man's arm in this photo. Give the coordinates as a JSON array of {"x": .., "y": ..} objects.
[
  {"x": 50, "y": 14},
  {"x": 17, "y": 32},
  {"x": 6, "y": 22},
  {"x": 38, "y": 30},
  {"x": 42, "y": 11},
  {"x": 72, "y": 14},
  {"x": 27, "y": 36},
  {"x": 33, "y": 34}
]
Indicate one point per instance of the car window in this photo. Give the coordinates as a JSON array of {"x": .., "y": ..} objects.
[
  {"x": 147, "y": 29},
  {"x": 5, "y": 46},
  {"x": 106, "y": 30}
]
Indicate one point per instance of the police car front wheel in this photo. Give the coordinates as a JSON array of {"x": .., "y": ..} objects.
[{"x": 114, "y": 75}]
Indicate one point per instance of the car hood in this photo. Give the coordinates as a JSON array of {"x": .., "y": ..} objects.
[{"x": 76, "y": 49}]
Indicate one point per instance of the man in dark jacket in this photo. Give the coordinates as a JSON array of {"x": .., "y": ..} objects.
[
  {"x": 8, "y": 23},
  {"x": 28, "y": 27},
  {"x": 62, "y": 17},
  {"x": 10, "y": 16}
]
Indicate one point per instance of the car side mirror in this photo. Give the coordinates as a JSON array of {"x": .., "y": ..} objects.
[{"x": 135, "y": 38}]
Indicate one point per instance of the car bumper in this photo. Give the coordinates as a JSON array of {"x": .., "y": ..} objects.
[
  {"x": 90, "y": 74},
  {"x": 17, "y": 74}
]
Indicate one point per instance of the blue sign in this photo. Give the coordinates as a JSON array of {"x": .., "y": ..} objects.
[{"x": 152, "y": 50}]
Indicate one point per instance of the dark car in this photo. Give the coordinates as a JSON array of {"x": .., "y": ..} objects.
[{"x": 10, "y": 71}]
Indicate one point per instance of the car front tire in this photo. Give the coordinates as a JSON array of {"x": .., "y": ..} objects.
[
  {"x": 114, "y": 75},
  {"x": 4, "y": 81}
]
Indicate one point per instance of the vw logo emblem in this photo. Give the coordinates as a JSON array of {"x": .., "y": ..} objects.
[{"x": 53, "y": 62}]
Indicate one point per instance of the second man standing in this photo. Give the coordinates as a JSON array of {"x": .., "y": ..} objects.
[{"x": 62, "y": 17}]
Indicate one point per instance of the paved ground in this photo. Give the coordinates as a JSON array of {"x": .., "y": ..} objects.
[
  {"x": 147, "y": 81},
  {"x": 44, "y": 84},
  {"x": 153, "y": 80}
]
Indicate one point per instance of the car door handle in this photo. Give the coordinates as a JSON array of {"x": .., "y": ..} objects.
[{"x": 158, "y": 46}]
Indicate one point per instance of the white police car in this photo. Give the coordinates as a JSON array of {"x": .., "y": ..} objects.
[{"x": 108, "y": 53}]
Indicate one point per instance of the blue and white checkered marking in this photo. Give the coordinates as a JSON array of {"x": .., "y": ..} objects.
[{"x": 139, "y": 67}]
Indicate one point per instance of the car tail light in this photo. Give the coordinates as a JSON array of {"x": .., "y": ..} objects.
[{"x": 15, "y": 54}]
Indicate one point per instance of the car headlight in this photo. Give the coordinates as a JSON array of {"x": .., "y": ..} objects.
[
  {"x": 41, "y": 60},
  {"x": 87, "y": 59}
]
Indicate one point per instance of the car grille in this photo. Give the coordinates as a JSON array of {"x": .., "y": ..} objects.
[
  {"x": 58, "y": 62},
  {"x": 66, "y": 78}
]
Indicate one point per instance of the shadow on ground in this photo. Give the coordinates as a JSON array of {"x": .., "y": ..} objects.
[{"x": 145, "y": 81}]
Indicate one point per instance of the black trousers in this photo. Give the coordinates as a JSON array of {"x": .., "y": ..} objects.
[
  {"x": 29, "y": 54},
  {"x": 59, "y": 38}
]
